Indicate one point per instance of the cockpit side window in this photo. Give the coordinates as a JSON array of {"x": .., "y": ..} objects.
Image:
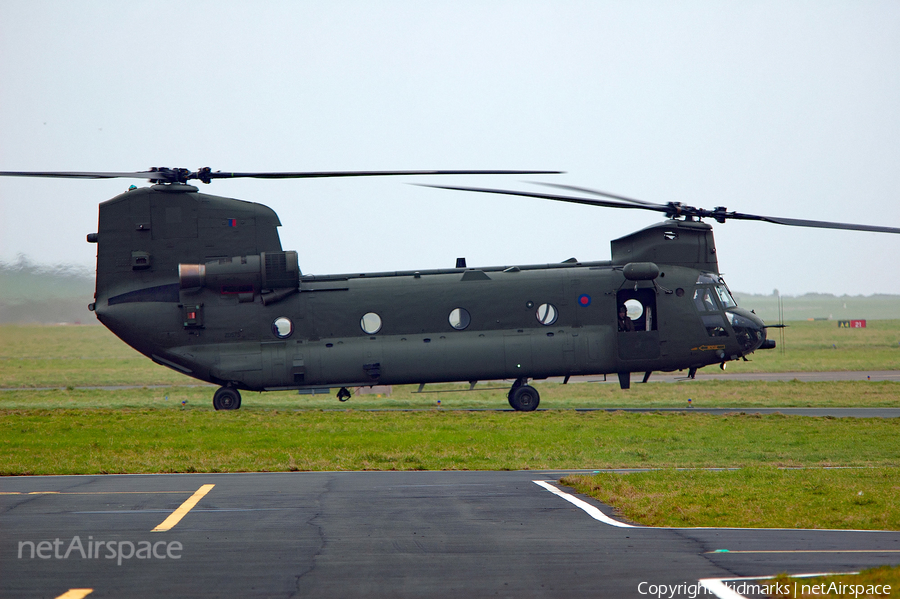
[
  {"x": 711, "y": 310},
  {"x": 715, "y": 325}
]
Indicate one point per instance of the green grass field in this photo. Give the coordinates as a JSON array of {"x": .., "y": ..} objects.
[
  {"x": 66, "y": 429},
  {"x": 128, "y": 440},
  {"x": 811, "y": 346}
]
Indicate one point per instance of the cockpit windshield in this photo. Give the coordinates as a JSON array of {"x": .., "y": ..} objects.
[
  {"x": 722, "y": 292},
  {"x": 725, "y": 297}
]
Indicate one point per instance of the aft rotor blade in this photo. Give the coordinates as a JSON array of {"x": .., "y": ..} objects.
[
  {"x": 605, "y": 194},
  {"x": 183, "y": 175},
  {"x": 322, "y": 174},
  {"x": 558, "y": 198},
  {"x": 84, "y": 175},
  {"x": 819, "y": 224}
]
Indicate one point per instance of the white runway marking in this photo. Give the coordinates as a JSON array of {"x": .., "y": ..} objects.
[
  {"x": 721, "y": 588},
  {"x": 717, "y": 587},
  {"x": 592, "y": 511}
]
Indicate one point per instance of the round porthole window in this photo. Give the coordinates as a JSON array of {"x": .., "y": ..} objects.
[
  {"x": 370, "y": 323},
  {"x": 635, "y": 309},
  {"x": 459, "y": 318},
  {"x": 546, "y": 314},
  {"x": 282, "y": 327}
]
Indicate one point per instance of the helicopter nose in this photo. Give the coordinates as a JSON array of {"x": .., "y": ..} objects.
[{"x": 749, "y": 330}]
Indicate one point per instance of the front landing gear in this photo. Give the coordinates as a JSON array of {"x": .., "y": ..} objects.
[
  {"x": 522, "y": 397},
  {"x": 227, "y": 398}
]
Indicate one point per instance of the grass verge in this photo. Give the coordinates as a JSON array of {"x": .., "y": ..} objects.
[
  {"x": 868, "y": 584},
  {"x": 755, "y": 497},
  {"x": 143, "y": 441}
]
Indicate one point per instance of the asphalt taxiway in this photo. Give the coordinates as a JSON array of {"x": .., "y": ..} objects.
[{"x": 373, "y": 534}]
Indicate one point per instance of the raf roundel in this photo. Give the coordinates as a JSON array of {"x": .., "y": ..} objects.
[{"x": 584, "y": 300}]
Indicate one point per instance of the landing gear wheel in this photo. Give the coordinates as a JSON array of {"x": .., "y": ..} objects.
[
  {"x": 524, "y": 398},
  {"x": 227, "y": 398}
]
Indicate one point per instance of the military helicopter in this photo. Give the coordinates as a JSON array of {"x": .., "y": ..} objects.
[{"x": 200, "y": 284}]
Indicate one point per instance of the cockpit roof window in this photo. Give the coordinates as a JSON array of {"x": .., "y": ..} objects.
[{"x": 707, "y": 278}]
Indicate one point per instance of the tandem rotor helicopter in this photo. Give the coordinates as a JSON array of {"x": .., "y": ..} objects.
[{"x": 201, "y": 284}]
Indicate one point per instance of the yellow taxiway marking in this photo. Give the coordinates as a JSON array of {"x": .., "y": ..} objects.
[
  {"x": 76, "y": 594},
  {"x": 809, "y": 551},
  {"x": 176, "y": 516}
]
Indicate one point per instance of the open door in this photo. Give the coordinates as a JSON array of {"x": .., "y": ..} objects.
[{"x": 638, "y": 335}]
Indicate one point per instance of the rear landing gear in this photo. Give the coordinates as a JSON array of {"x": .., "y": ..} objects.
[
  {"x": 522, "y": 397},
  {"x": 227, "y": 398}
]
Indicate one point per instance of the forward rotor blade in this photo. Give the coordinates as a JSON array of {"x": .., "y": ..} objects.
[
  {"x": 598, "y": 192},
  {"x": 818, "y": 224},
  {"x": 671, "y": 210},
  {"x": 558, "y": 198}
]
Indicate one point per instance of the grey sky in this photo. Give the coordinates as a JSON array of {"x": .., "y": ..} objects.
[{"x": 776, "y": 108}]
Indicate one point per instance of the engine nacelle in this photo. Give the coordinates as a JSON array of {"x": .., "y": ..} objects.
[
  {"x": 640, "y": 271},
  {"x": 243, "y": 274}
]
